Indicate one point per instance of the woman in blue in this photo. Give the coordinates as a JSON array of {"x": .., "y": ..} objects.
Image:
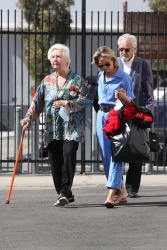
[
  {"x": 113, "y": 85},
  {"x": 63, "y": 95}
]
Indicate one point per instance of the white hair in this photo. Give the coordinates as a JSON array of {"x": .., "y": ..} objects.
[
  {"x": 130, "y": 38},
  {"x": 65, "y": 49}
]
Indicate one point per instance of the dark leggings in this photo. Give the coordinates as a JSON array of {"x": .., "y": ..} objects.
[{"x": 62, "y": 157}]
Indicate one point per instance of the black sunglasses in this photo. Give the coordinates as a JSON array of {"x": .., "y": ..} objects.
[
  {"x": 102, "y": 65},
  {"x": 122, "y": 49}
]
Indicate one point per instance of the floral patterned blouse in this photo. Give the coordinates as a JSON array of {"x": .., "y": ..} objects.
[{"x": 67, "y": 122}]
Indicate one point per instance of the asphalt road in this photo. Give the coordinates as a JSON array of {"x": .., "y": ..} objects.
[{"x": 31, "y": 221}]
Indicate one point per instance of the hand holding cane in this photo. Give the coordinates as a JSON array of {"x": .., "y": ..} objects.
[{"x": 15, "y": 166}]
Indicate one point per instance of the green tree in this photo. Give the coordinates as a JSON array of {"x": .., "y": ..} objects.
[
  {"x": 157, "y": 5},
  {"x": 48, "y": 23}
]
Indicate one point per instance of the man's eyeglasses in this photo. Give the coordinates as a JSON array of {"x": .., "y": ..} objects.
[
  {"x": 102, "y": 65},
  {"x": 122, "y": 49}
]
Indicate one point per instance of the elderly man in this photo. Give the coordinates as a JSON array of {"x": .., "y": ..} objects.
[{"x": 142, "y": 84}]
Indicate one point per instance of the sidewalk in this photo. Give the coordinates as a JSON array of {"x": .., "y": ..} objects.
[{"x": 28, "y": 181}]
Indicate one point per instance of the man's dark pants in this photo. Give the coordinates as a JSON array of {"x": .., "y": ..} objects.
[{"x": 133, "y": 177}]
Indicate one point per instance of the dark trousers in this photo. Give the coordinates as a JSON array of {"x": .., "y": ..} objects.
[
  {"x": 62, "y": 157},
  {"x": 133, "y": 176}
]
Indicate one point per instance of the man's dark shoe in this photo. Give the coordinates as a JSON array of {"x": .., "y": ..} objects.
[
  {"x": 132, "y": 194},
  {"x": 71, "y": 199},
  {"x": 63, "y": 200}
]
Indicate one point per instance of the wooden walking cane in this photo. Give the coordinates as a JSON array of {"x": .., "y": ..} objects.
[{"x": 15, "y": 166}]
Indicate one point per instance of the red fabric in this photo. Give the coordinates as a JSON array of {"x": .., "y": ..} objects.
[
  {"x": 112, "y": 123},
  {"x": 128, "y": 112},
  {"x": 73, "y": 88},
  {"x": 144, "y": 117}
]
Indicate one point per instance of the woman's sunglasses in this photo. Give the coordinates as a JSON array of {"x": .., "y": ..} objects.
[
  {"x": 102, "y": 65},
  {"x": 122, "y": 49}
]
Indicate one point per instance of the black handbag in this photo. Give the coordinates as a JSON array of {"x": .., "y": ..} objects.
[
  {"x": 129, "y": 142},
  {"x": 132, "y": 145}
]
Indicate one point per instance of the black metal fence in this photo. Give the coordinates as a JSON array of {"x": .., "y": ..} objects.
[{"x": 23, "y": 63}]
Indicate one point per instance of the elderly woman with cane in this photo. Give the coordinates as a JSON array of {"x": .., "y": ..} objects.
[{"x": 64, "y": 95}]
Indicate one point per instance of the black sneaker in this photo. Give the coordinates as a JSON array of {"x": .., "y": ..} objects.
[
  {"x": 63, "y": 200},
  {"x": 71, "y": 199},
  {"x": 132, "y": 194}
]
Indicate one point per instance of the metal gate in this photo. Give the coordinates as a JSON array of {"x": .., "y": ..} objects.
[{"x": 83, "y": 38}]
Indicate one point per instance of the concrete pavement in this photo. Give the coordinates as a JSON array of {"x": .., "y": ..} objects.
[{"x": 31, "y": 222}]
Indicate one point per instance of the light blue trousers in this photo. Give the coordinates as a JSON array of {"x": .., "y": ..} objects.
[{"x": 113, "y": 170}]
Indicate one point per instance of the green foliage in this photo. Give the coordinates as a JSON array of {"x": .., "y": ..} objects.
[
  {"x": 48, "y": 23},
  {"x": 157, "y": 5},
  {"x": 159, "y": 64}
]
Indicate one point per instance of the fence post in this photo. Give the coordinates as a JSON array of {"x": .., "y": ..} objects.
[
  {"x": 37, "y": 144},
  {"x": 83, "y": 69},
  {"x": 35, "y": 147},
  {"x": 94, "y": 142},
  {"x": 18, "y": 136}
]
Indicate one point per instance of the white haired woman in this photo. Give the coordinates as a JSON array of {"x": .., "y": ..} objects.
[{"x": 63, "y": 94}]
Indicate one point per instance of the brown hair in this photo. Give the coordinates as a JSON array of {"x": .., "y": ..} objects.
[{"x": 104, "y": 51}]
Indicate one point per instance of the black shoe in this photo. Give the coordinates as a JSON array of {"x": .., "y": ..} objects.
[
  {"x": 63, "y": 200},
  {"x": 132, "y": 194},
  {"x": 71, "y": 199}
]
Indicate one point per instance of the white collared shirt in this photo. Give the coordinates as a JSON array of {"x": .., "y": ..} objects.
[{"x": 127, "y": 65}]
